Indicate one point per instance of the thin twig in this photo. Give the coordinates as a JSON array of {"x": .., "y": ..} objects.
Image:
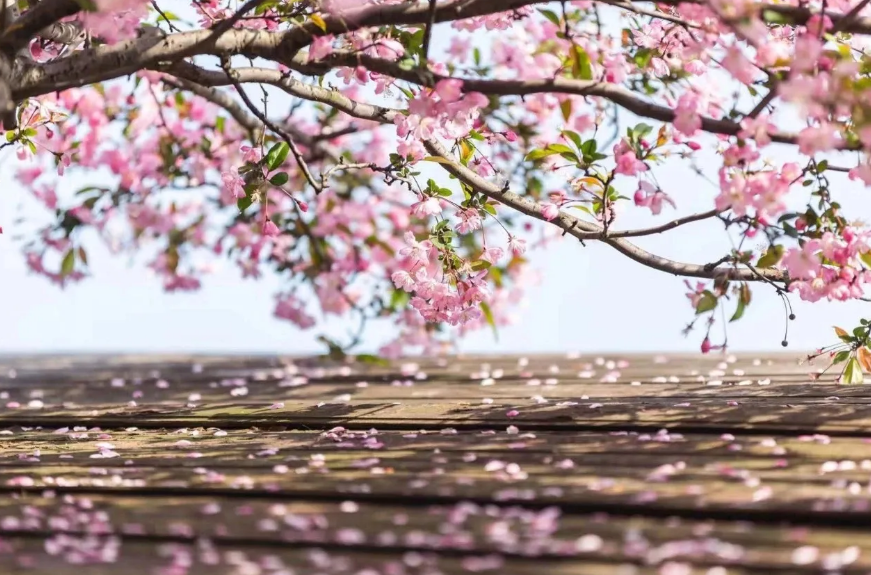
[
  {"x": 285, "y": 135},
  {"x": 664, "y": 227},
  {"x": 427, "y": 32},
  {"x": 848, "y": 18}
]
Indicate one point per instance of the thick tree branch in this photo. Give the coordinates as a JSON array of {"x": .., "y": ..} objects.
[
  {"x": 795, "y": 15},
  {"x": 38, "y": 18},
  {"x": 571, "y": 225},
  {"x": 223, "y": 99},
  {"x": 612, "y": 92}
]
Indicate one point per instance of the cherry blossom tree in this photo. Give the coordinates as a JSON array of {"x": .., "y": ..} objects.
[{"x": 402, "y": 158}]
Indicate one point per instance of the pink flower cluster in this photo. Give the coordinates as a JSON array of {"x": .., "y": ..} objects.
[
  {"x": 830, "y": 267},
  {"x": 446, "y": 111},
  {"x": 764, "y": 191},
  {"x": 115, "y": 20},
  {"x": 437, "y": 301}
]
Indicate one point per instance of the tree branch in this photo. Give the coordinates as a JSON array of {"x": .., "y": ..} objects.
[
  {"x": 278, "y": 130},
  {"x": 664, "y": 227},
  {"x": 222, "y": 99},
  {"x": 796, "y": 15},
  {"x": 38, "y": 18},
  {"x": 571, "y": 225},
  {"x": 612, "y": 92}
]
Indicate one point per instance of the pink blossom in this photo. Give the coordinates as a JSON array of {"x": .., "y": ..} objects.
[
  {"x": 651, "y": 197},
  {"x": 403, "y": 280},
  {"x": 517, "y": 245},
  {"x": 758, "y": 128},
  {"x": 820, "y": 138},
  {"x": 449, "y": 90},
  {"x": 251, "y": 154},
  {"x": 807, "y": 50},
  {"x": 416, "y": 251},
  {"x": 426, "y": 207},
  {"x": 803, "y": 263},
  {"x": 549, "y": 211},
  {"x": 321, "y": 47},
  {"x": 627, "y": 162},
  {"x": 739, "y": 66},
  {"x": 270, "y": 229},
  {"x": 492, "y": 255},
  {"x": 470, "y": 220},
  {"x": 234, "y": 184}
]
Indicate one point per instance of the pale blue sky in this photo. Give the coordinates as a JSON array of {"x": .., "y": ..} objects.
[{"x": 590, "y": 298}]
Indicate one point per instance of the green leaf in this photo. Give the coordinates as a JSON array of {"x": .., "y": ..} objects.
[
  {"x": 560, "y": 149},
  {"x": 68, "y": 263},
  {"x": 574, "y": 137},
  {"x": 566, "y": 108},
  {"x": 773, "y": 17},
  {"x": 581, "y": 66},
  {"x": 841, "y": 356},
  {"x": 476, "y": 135},
  {"x": 279, "y": 179},
  {"x": 583, "y": 209},
  {"x": 771, "y": 257},
  {"x": 853, "y": 372},
  {"x": 436, "y": 159},
  {"x": 491, "y": 321},
  {"x": 539, "y": 154},
  {"x": 399, "y": 299},
  {"x": 866, "y": 258},
  {"x": 371, "y": 359},
  {"x": 744, "y": 296},
  {"x": 276, "y": 155},
  {"x": 707, "y": 302},
  {"x": 739, "y": 311},
  {"x": 843, "y": 335},
  {"x": 220, "y": 122},
  {"x": 243, "y": 204},
  {"x": 588, "y": 148},
  {"x": 10, "y": 135},
  {"x": 642, "y": 130},
  {"x": 551, "y": 15},
  {"x": 408, "y": 93}
]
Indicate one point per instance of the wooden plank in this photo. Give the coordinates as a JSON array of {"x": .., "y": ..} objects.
[
  {"x": 236, "y": 445},
  {"x": 706, "y": 477},
  {"x": 234, "y": 390},
  {"x": 572, "y": 464},
  {"x": 461, "y": 530},
  {"x": 117, "y": 556},
  {"x": 459, "y": 369},
  {"x": 764, "y": 415}
]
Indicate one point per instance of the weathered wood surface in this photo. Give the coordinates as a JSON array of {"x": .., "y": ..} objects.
[{"x": 568, "y": 465}]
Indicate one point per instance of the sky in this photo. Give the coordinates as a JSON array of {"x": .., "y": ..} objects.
[{"x": 589, "y": 299}]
